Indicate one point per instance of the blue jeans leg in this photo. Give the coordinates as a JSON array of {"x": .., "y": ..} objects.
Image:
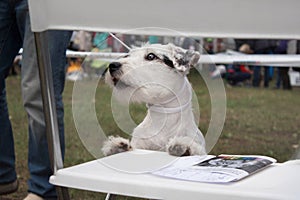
[
  {"x": 38, "y": 156},
  {"x": 256, "y": 76},
  {"x": 266, "y": 76},
  {"x": 14, "y": 29},
  {"x": 7, "y": 156},
  {"x": 278, "y": 78},
  {"x": 10, "y": 43}
]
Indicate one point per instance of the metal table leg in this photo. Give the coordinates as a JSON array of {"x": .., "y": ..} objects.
[{"x": 46, "y": 82}]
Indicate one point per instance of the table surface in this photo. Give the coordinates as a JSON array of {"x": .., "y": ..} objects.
[{"x": 128, "y": 174}]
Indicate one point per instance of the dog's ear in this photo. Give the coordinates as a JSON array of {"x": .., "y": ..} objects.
[
  {"x": 192, "y": 57},
  {"x": 184, "y": 59}
]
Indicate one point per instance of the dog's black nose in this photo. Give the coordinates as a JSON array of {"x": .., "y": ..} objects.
[{"x": 114, "y": 66}]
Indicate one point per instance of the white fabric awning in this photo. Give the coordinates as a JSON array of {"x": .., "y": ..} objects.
[{"x": 203, "y": 18}]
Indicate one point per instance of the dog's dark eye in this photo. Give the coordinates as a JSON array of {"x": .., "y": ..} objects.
[{"x": 151, "y": 56}]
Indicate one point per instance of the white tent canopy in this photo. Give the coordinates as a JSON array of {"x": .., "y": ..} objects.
[{"x": 204, "y": 18}]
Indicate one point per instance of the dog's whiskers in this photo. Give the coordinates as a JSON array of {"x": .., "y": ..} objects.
[{"x": 104, "y": 72}]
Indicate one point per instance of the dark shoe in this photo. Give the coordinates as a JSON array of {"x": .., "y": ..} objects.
[{"x": 8, "y": 188}]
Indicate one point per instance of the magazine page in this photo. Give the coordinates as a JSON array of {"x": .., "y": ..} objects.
[
  {"x": 215, "y": 169},
  {"x": 247, "y": 163}
]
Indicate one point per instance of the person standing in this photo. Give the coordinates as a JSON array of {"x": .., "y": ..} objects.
[
  {"x": 15, "y": 32},
  {"x": 262, "y": 47},
  {"x": 283, "y": 75}
]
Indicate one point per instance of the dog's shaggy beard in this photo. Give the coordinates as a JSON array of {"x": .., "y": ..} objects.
[
  {"x": 144, "y": 86},
  {"x": 150, "y": 93}
]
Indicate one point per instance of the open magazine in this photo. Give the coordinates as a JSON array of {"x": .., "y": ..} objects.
[{"x": 215, "y": 169}]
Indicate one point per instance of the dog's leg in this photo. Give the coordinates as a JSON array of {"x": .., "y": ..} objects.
[
  {"x": 184, "y": 146},
  {"x": 114, "y": 145}
]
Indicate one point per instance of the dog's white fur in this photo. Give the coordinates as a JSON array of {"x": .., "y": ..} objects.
[{"x": 156, "y": 75}]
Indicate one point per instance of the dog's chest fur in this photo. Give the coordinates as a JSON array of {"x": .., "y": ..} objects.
[{"x": 147, "y": 135}]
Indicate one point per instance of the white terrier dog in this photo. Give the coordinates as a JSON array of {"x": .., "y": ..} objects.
[{"x": 156, "y": 75}]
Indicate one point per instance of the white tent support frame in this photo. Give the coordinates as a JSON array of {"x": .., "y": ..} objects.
[
  {"x": 282, "y": 60},
  {"x": 201, "y": 18}
]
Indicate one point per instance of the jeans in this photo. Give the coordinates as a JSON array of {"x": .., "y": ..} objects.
[
  {"x": 15, "y": 32},
  {"x": 256, "y": 76}
]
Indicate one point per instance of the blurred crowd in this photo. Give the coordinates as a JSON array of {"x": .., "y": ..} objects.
[
  {"x": 259, "y": 76},
  {"x": 235, "y": 75},
  {"x": 104, "y": 42}
]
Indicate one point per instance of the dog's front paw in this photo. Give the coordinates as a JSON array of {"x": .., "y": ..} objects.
[
  {"x": 178, "y": 149},
  {"x": 184, "y": 146},
  {"x": 114, "y": 145}
]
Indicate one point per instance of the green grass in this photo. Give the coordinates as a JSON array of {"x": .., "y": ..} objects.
[{"x": 258, "y": 121}]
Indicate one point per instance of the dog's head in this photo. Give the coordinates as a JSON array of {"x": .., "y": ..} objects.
[{"x": 151, "y": 73}]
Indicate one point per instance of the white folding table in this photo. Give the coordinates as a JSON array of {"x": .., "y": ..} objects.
[
  {"x": 277, "y": 182},
  {"x": 275, "y": 19}
]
